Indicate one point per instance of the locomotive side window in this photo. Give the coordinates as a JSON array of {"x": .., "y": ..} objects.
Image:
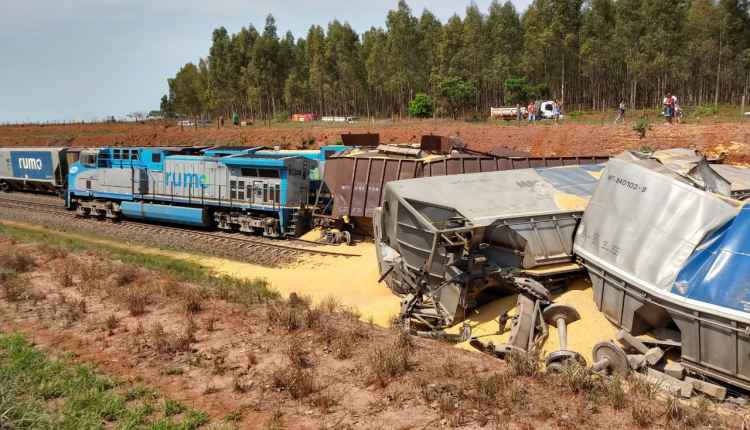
[
  {"x": 249, "y": 172},
  {"x": 249, "y": 191},
  {"x": 133, "y": 155},
  {"x": 233, "y": 189},
  {"x": 278, "y": 194},
  {"x": 116, "y": 154},
  {"x": 241, "y": 190},
  {"x": 265, "y": 193},
  {"x": 88, "y": 159},
  {"x": 156, "y": 158},
  {"x": 268, "y": 173}
]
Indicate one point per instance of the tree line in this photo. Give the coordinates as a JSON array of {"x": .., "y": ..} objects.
[{"x": 588, "y": 54}]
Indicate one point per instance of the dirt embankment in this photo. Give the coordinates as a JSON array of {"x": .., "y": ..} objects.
[
  {"x": 538, "y": 139},
  {"x": 292, "y": 364}
]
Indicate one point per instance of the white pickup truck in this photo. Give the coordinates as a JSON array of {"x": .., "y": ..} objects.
[{"x": 546, "y": 110}]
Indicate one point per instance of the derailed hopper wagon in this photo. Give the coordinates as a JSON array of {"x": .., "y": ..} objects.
[
  {"x": 357, "y": 178},
  {"x": 445, "y": 243},
  {"x": 662, "y": 253}
]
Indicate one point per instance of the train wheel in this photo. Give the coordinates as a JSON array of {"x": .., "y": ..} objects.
[{"x": 4, "y": 187}]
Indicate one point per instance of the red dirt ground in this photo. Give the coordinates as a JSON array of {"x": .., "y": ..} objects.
[
  {"x": 538, "y": 139},
  {"x": 231, "y": 366}
]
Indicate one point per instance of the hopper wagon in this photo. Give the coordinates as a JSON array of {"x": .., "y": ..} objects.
[
  {"x": 35, "y": 169},
  {"x": 357, "y": 177},
  {"x": 248, "y": 192},
  {"x": 445, "y": 244},
  {"x": 667, "y": 248}
]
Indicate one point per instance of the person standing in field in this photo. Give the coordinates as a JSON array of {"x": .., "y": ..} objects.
[
  {"x": 519, "y": 113},
  {"x": 676, "y": 111},
  {"x": 620, "y": 112},
  {"x": 668, "y": 107},
  {"x": 555, "y": 110},
  {"x": 530, "y": 109}
]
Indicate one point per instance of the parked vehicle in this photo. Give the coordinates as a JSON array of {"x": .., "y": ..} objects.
[
  {"x": 507, "y": 113},
  {"x": 547, "y": 110}
]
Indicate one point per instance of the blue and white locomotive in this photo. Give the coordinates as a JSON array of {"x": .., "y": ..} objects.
[{"x": 267, "y": 193}]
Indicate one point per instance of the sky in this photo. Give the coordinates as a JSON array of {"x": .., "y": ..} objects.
[{"x": 88, "y": 59}]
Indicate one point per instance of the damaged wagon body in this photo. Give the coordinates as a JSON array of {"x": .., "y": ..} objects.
[
  {"x": 445, "y": 242},
  {"x": 668, "y": 248}
]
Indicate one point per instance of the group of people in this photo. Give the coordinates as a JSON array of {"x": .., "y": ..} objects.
[
  {"x": 672, "y": 111},
  {"x": 534, "y": 110}
]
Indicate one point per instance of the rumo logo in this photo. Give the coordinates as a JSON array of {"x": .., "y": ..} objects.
[
  {"x": 191, "y": 180},
  {"x": 30, "y": 163}
]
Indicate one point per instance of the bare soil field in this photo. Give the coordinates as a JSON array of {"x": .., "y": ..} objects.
[
  {"x": 245, "y": 358},
  {"x": 567, "y": 138}
]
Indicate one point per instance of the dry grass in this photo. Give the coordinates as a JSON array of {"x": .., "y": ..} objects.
[
  {"x": 13, "y": 288},
  {"x": 524, "y": 364},
  {"x": 170, "y": 343},
  {"x": 73, "y": 310},
  {"x": 275, "y": 421},
  {"x": 193, "y": 300},
  {"x": 17, "y": 261},
  {"x": 391, "y": 361},
  {"x": 578, "y": 378},
  {"x": 136, "y": 300},
  {"x": 65, "y": 275},
  {"x": 297, "y": 382},
  {"x": 642, "y": 413},
  {"x": 111, "y": 323}
]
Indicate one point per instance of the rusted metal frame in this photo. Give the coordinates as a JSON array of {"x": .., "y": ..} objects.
[
  {"x": 351, "y": 187},
  {"x": 367, "y": 186},
  {"x": 382, "y": 182}
]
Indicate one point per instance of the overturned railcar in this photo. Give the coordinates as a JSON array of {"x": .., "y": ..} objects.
[
  {"x": 447, "y": 243},
  {"x": 666, "y": 250}
]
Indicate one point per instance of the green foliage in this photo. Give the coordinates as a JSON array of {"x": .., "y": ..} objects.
[
  {"x": 516, "y": 90},
  {"x": 641, "y": 127},
  {"x": 40, "y": 393},
  {"x": 590, "y": 53},
  {"x": 703, "y": 111},
  {"x": 457, "y": 94},
  {"x": 421, "y": 106},
  {"x": 166, "y": 107}
]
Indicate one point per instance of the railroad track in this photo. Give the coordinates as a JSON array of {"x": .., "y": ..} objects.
[{"x": 276, "y": 247}]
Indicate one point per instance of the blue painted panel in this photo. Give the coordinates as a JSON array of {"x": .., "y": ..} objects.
[
  {"x": 32, "y": 165},
  {"x": 164, "y": 213},
  {"x": 253, "y": 162},
  {"x": 577, "y": 181},
  {"x": 718, "y": 272}
]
